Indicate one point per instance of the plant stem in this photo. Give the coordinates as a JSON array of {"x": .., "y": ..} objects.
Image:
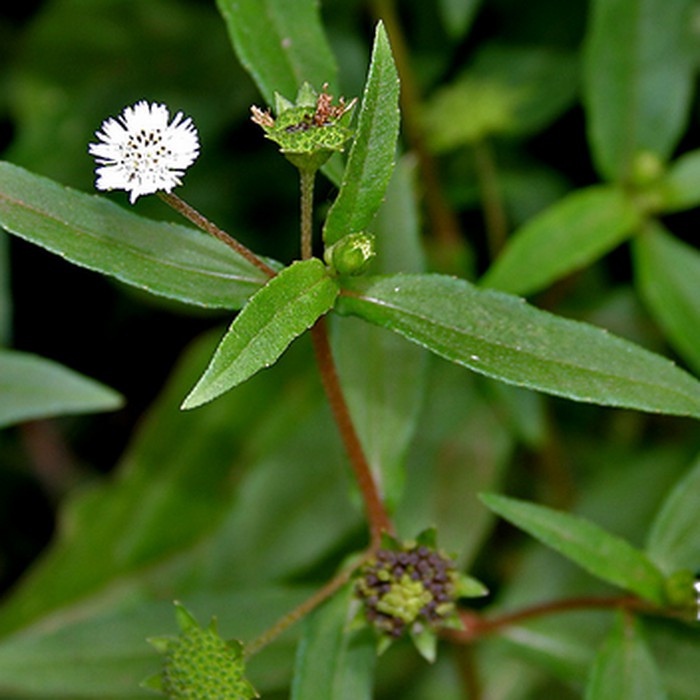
[
  {"x": 308, "y": 178},
  {"x": 300, "y": 611},
  {"x": 203, "y": 223},
  {"x": 491, "y": 199},
  {"x": 476, "y": 626},
  {"x": 376, "y": 513}
]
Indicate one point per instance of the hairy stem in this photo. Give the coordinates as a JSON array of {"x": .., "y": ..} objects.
[
  {"x": 308, "y": 178},
  {"x": 300, "y": 611},
  {"x": 376, "y": 513},
  {"x": 204, "y": 224}
]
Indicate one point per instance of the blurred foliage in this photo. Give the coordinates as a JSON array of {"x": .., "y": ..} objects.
[{"x": 247, "y": 504}]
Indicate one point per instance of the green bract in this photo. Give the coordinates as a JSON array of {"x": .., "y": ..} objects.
[
  {"x": 199, "y": 664},
  {"x": 310, "y": 131}
]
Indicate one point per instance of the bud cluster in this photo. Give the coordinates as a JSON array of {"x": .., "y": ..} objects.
[{"x": 401, "y": 588}]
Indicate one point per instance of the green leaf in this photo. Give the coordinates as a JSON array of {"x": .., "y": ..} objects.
[
  {"x": 673, "y": 541},
  {"x": 458, "y": 15},
  {"x": 567, "y": 236},
  {"x": 162, "y": 258},
  {"x": 371, "y": 159},
  {"x": 512, "y": 90},
  {"x": 5, "y": 292},
  {"x": 604, "y": 555},
  {"x": 34, "y": 387},
  {"x": 639, "y": 64},
  {"x": 172, "y": 487},
  {"x": 501, "y": 336},
  {"x": 280, "y": 43},
  {"x": 288, "y": 305},
  {"x": 332, "y": 662},
  {"x": 667, "y": 273},
  {"x": 679, "y": 188},
  {"x": 113, "y": 665},
  {"x": 624, "y": 669}
]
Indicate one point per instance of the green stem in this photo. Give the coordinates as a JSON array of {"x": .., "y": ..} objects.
[
  {"x": 491, "y": 198},
  {"x": 308, "y": 178},
  {"x": 190, "y": 213},
  {"x": 301, "y": 611}
]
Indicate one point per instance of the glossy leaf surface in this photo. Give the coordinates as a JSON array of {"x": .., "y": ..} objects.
[
  {"x": 501, "y": 336},
  {"x": 371, "y": 159},
  {"x": 280, "y": 43},
  {"x": 288, "y": 305},
  {"x": 166, "y": 259}
]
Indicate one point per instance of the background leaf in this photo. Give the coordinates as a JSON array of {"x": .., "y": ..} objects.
[
  {"x": 332, "y": 662},
  {"x": 572, "y": 233},
  {"x": 371, "y": 159},
  {"x": 638, "y": 66},
  {"x": 281, "y": 44},
  {"x": 5, "y": 292},
  {"x": 673, "y": 541},
  {"x": 288, "y": 305},
  {"x": 624, "y": 668},
  {"x": 679, "y": 187},
  {"x": 166, "y": 259},
  {"x": 667, "y": 272},
  {"x": 384, "y": 385},
  {"x": 501, "y": 336},
  {"x": 34, "y": 387},
  {"x": 602, "y": 554}
]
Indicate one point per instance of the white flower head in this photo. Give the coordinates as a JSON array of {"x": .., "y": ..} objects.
[{"x": 141, "y": 153}]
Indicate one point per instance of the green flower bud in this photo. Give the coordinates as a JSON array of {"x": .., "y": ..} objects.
[
  {"x": 307, "y": 132},
  {"x": 199, "y": 664},
  {"x": 352, "y": 254}
]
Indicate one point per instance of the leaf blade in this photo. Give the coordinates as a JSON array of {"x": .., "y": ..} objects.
[
  {"x": 667, "y": 271},
  {"x": 624, "y": 667},
  {"x": 501, "y": 336},
  {"x": 281, "y": 44},
  {"x": 288, "y": 305},
  {"x": 371, "y": 159},
  {"x": 571, "y": 234},
  {"x": 631, "y": 106},
  {"x": 604, "y": 555},
  {"x": 34, "y": 387},
  {"x": 93, "y": 232}
]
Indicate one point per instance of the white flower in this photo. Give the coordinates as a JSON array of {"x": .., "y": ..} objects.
[{"x": 141, "y": 153}]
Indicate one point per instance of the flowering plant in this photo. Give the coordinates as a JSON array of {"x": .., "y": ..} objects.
[{"x": 385, "y": 452}]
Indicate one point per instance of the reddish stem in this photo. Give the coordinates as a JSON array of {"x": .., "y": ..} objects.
[
  {"x": 376, "y": 513},
  {"x": 476, "y": 626}
]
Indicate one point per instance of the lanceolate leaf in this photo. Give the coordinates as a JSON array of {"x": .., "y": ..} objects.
[
  {"x": 501, "y": 336},
  {"x": 288, "y": 305},
  {"x": 332, "y": 662},
  {"x": 639, "y": 65},
  {"x": 371, "y": 158},
  {"x": 679, "y": 189},
  {"x": 668, "y": 271},
  {"x": 34, "y": 387},
  {"x": 280, "y": 43},
  {"x": 674, "y": 543},
  {"x": 569, "y": 235},
  {"x": 624, "y": 667},
  {"x": 604, "y": 555},
  {"x": 166, "y": 259}
]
